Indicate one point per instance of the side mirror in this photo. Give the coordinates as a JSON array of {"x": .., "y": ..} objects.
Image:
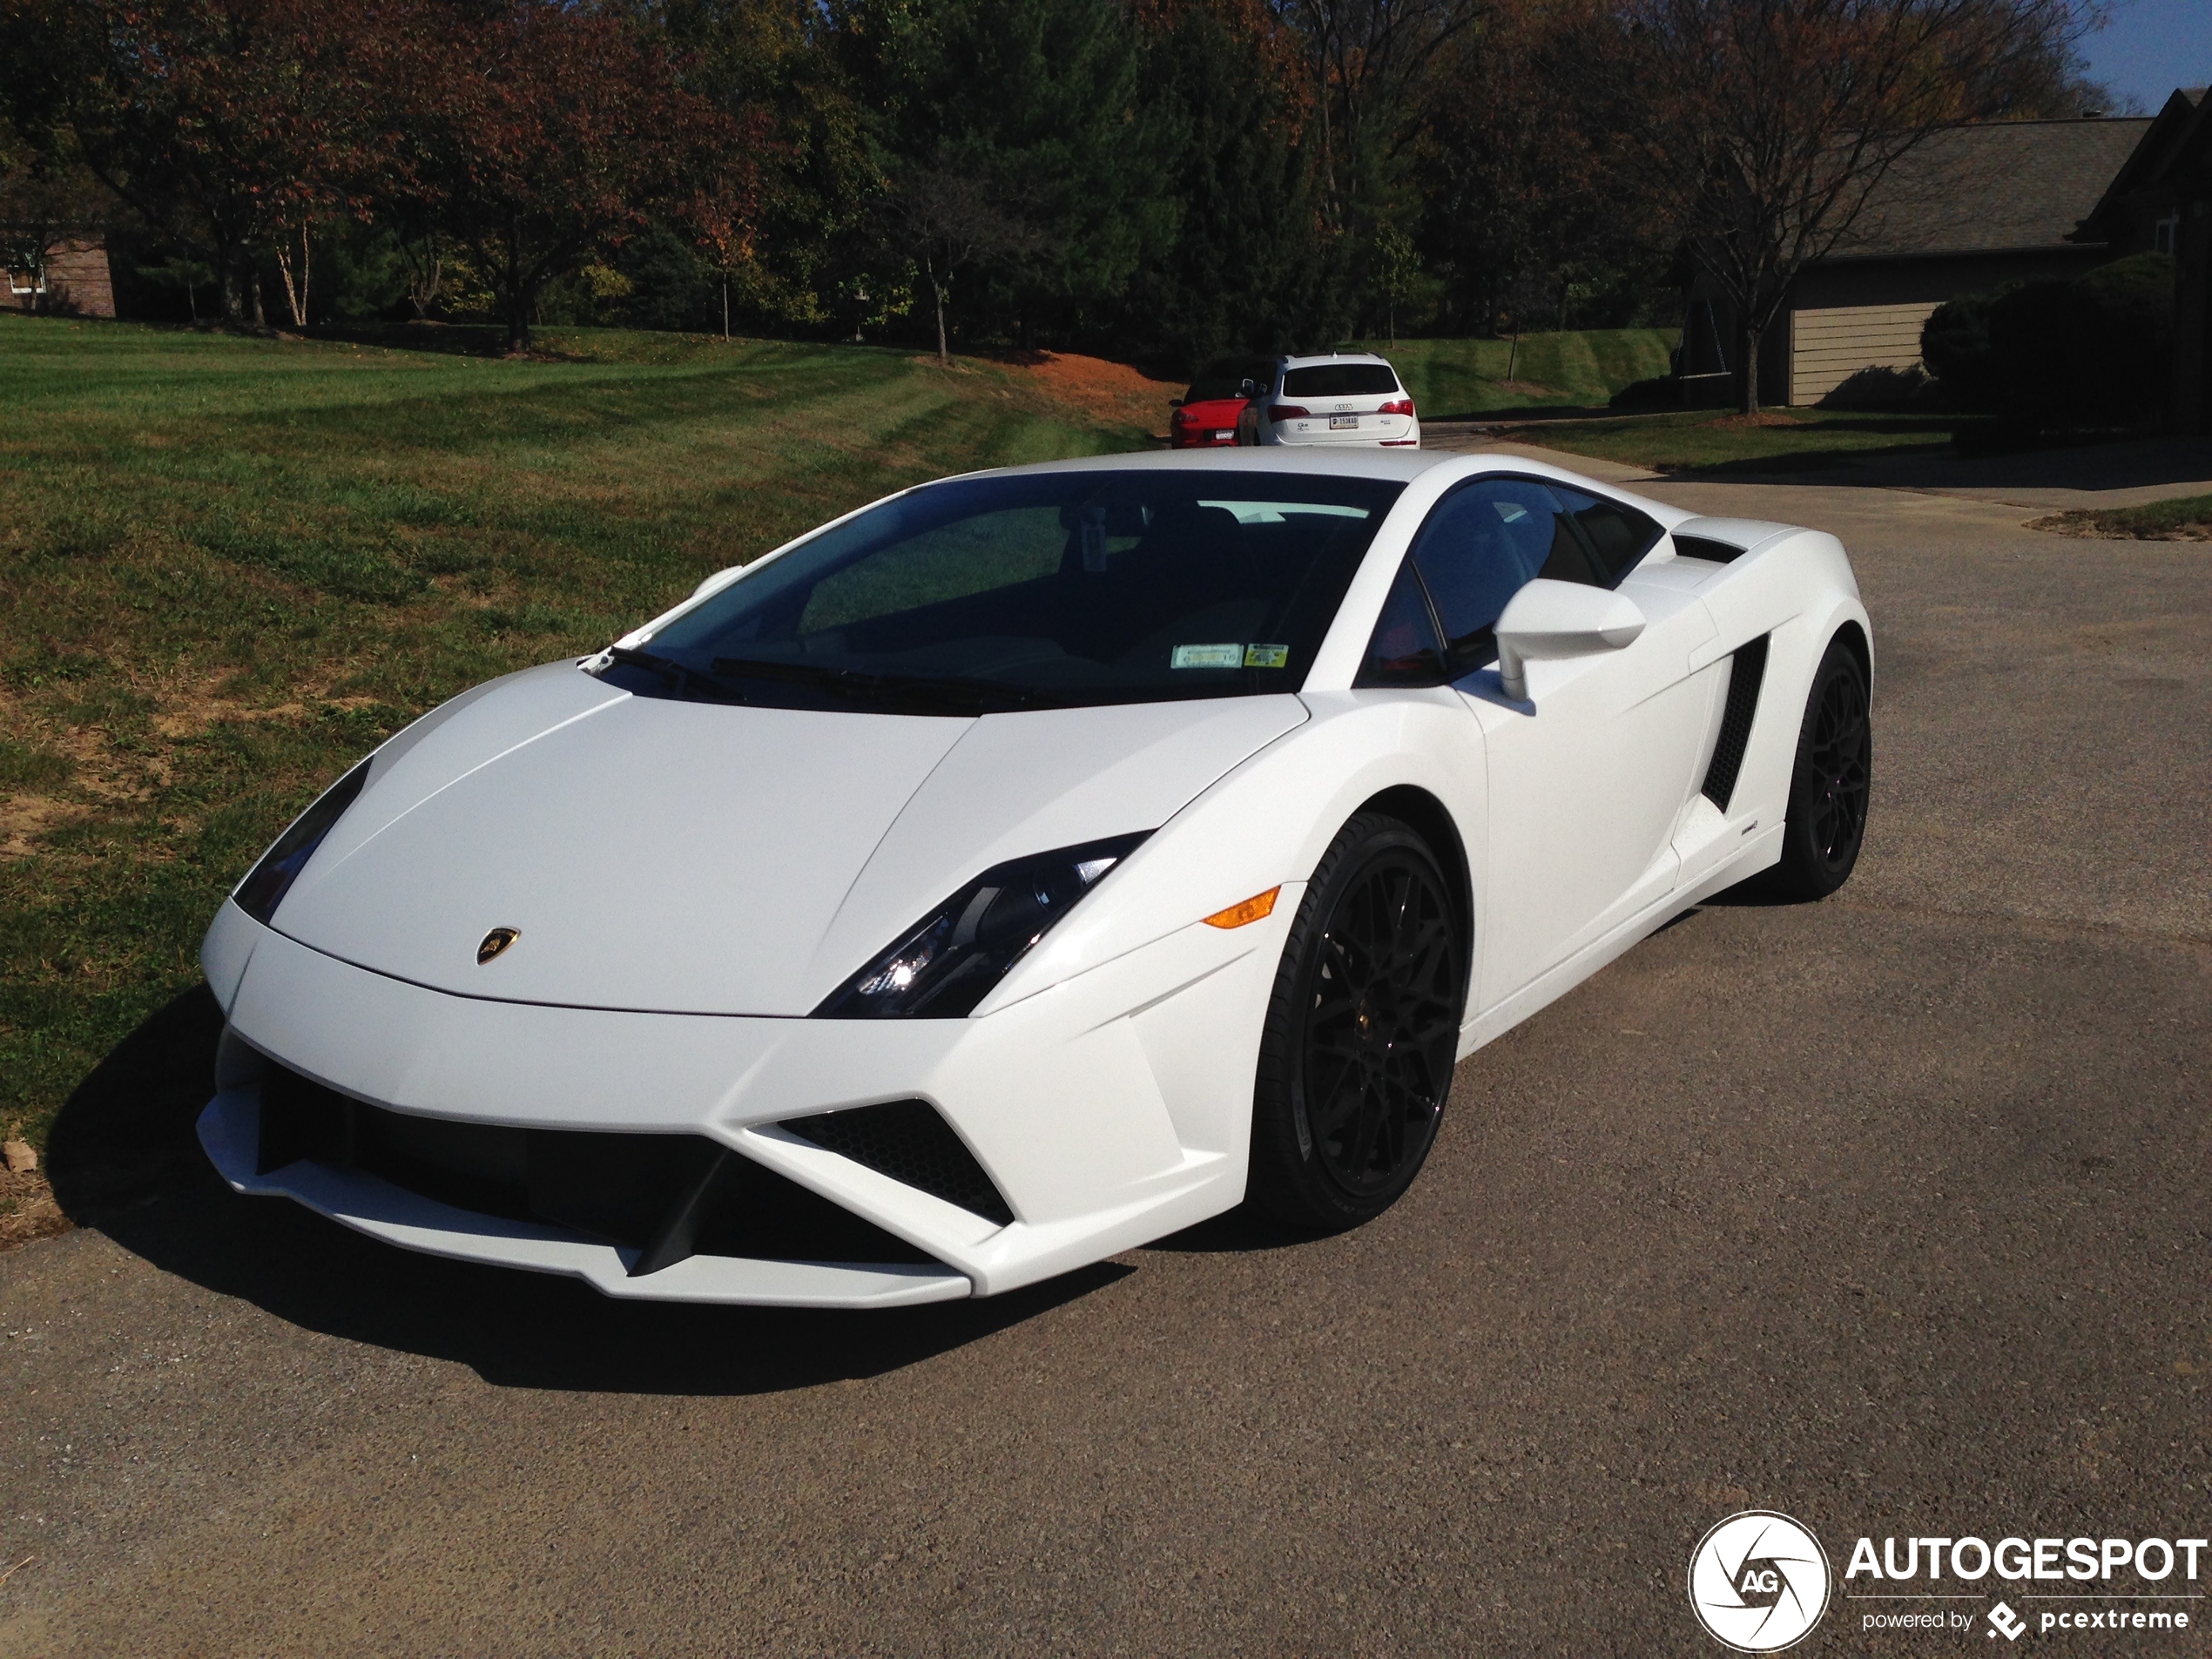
[{"x": 1549, "y": 620}]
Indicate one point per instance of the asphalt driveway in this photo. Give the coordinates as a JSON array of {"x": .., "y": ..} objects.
[{"x": 1893, "y": 1213}]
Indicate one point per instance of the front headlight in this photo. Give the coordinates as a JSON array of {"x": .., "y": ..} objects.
[
  {"x": 269, "y": 881},
  {"x": 948, "y": 962}
]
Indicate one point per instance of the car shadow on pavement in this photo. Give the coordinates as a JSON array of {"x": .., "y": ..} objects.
[
  {"x": 124, "y": 1161},
  {"x": 1239, "y": 1232}
]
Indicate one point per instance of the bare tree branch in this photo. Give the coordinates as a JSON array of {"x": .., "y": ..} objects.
[{"x": 1769, "y": 126}]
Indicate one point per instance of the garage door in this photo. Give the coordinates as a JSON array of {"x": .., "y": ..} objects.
[{"x": 1831, "y": 345}]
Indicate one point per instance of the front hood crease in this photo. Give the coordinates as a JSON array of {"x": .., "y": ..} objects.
[{"x": 673, "y": 857}]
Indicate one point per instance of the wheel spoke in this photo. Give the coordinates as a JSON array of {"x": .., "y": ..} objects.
[
  {"x": 1836, "y": 756},
  {"x": 1382, "y": 1026},
  {"x": 1343, "y": 1098},
  {"x": 1355, "y": 1149}
]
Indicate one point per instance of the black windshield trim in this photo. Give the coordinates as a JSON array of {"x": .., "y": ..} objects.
[{"x": 861, "y": 684}]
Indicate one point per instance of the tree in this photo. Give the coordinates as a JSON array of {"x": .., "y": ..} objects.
[
  {"x": 778, "y": 68},
  {"x": 1759, "y": 129},
  {"x": 945, "y": 218},
  {"x": 538, "y": 137},
  {"x": 1518, "y": 209},
  {"x": 44, "y": 199},
  {"x": 1034, "y": 111},
  {"x": 721, "y": 228},
  {"x": 1370, "y": 64},
  {"x": 217, "y": 120},
  {"x": 1251, "y": 266}
]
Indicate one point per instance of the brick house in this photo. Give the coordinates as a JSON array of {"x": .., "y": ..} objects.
[
  {"x": 2160, "y": 200},
  {"x": 73, "y": 282}
]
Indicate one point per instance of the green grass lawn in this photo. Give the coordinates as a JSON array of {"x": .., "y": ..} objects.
[
  {"x": 2188, "y": 519},
  {"x": 1777, "y": 440},
  {"x": 1578, "y": 369},
  {"x": 233, "y": 565}
]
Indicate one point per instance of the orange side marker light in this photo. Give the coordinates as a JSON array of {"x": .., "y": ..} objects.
[{"x": 1258, "y": 908}]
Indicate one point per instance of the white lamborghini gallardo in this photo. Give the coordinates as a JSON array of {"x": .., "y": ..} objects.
[{"x": 1026, "y": 866}]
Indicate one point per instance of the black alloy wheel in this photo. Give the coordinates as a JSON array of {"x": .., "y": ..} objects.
[
  {"x": 1832, "y": 781},
  {"x": 1356, "y": 1057}
]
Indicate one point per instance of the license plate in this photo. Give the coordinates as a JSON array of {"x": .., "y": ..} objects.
[
  {"x": 1344, "y": 423},
  {"x": 1223, "y": 436}
]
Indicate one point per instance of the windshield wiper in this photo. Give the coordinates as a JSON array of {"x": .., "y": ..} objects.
[
  {"x": 866, "y": 684},
  {"x": 680, "y": 673}
]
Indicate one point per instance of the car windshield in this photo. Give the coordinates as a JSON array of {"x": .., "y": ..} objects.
[
  {"x": 1340, "y": 379},
  {"x": 1036, "y": 591},
  {"x": 1227, "y": 380}
]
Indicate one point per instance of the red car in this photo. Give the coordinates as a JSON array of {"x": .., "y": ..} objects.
[{"x": 1205, "y": 416}]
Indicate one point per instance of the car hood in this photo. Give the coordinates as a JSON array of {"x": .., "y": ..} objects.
[{"x": 700, "y": 858}]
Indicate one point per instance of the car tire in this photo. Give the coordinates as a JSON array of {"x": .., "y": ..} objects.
[
  {"x": 1830, "y": 782},
  {"x": 1361, "y": 1032}
]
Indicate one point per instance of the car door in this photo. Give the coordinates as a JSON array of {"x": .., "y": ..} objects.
[{"x": 1586, "y": 786}]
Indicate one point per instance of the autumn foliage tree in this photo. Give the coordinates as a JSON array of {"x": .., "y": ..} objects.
[
  {"x": 219, "y": 120},
  {"x": 1164, "y": 180},
  {"x": 779, "y": 69},
  {"x": 1511, "y": 193},
  {"x": 539, "y": 136}
]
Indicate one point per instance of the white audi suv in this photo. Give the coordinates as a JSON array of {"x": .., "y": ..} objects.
[{"x": 1345, "y": 398}]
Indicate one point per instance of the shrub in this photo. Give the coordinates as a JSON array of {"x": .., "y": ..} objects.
[
  {"x": 1880, "y": 388},
  {"x": 2084, "y": 352},
  {"x": 1955, "y": 344},
  {"x": 2133, "y": 301},
  {"x": 1660, "y": 392},
  {"x": 2053, "y": 353}
]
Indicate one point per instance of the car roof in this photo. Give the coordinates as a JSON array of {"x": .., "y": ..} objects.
[
  {"x": 1287, "y": 362},
  {"x": 1399, "y": 465}
]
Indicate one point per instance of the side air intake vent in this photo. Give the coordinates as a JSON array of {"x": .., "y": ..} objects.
[
  {"x": 1704, "y": 547},
  {"x": 907, "y": 1141},
  {"x": 1744, "y": 677}
]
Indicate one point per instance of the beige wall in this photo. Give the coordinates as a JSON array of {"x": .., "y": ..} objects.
[{"x": 1831, "y": 345}]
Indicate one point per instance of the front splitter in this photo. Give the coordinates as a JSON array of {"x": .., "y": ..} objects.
[{"x": 230, "y": 1130}]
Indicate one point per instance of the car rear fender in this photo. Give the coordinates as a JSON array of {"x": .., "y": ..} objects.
[{"x": 1796, "y": 589}]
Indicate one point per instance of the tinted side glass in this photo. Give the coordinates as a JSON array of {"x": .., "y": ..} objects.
[
  {"x": 1621, "y": 535},
  {"x": 1480, "y": 544},
  {"x": 1340, "y": 379},
  {"x": 1405, "y": 650}
]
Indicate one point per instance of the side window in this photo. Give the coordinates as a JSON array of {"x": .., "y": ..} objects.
[
  {"x": 1620, "y": 534},
  {"x": 1480, "y": 544},
  {"x": 1405, "y": 650}
]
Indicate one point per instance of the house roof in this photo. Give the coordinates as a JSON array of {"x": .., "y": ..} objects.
[
  {"x": 2177, "y": 146},
  {"x": 2003, "y": 188}
]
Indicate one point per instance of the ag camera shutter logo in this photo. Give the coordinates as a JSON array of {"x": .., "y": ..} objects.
[{"x": 1758, "y": 1582}]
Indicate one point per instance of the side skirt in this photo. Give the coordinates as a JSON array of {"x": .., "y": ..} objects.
[{"x": 1763, "y": 852}]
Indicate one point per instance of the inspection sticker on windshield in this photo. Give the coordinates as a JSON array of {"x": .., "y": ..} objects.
[
  {"x": 1267, "y": 656},
  {"x": 1208, "y": 656}
]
